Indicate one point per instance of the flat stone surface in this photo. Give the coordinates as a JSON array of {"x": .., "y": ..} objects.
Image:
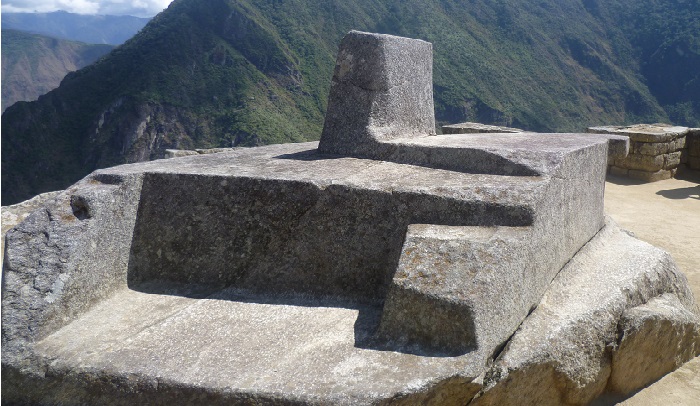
[
  {"x": 301, "y": 162},
  {"x": 299, "y": 349},
  {"x": 477, "y": 128},
  {"x": 644, "y": 132},
  {"x": 520, "y": 154}
]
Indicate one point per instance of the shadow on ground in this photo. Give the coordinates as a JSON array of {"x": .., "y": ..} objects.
[
  {"x": 681, "y": 193},
  {"x": 365, "y": 327}
]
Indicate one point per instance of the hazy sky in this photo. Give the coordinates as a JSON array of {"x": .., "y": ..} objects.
[{"x": 140, "y": 8}]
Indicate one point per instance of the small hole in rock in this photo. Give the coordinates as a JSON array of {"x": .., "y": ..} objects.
[{"x": 81, "y": 210}]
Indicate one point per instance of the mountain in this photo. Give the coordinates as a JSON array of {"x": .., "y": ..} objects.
[
  {"x": 216, "y": 73},
  {"x": 33, "y": 64},
  {"x": 91, "y": 29},
  {"x": 667, "y": 37}
]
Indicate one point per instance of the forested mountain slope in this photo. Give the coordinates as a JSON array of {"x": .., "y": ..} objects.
[{"x": 212, "y": 73}]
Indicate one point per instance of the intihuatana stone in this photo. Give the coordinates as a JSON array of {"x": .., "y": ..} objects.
[
  {"x": 383, "y": 265},
  {"x": 381, "y": 89}
]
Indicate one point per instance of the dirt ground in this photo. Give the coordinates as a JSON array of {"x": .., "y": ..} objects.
[{"x": 666, "y": 214}]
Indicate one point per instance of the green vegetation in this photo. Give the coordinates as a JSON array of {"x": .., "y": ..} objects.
[{"x": 217, "y": 73}]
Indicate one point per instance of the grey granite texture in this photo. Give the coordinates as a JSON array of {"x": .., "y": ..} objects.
[
  {"x": 382, "y": 88},
  {"x": 67, "y": 256},
  {"x": 565, "y": 350},
  {"x": 16, "y": 213},
  {"x": 286, "y": 220},
  {"x": 456, "y": 287},
  {"x": 654, "y": 339},
  {"x": 393, "y": 273}
]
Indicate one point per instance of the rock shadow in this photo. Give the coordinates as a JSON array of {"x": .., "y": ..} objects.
[
  {"x": 365, "y": 327},
  {"x": 623, "y": 181},
  {"x": 692, "y": 192},
  {"x": 309, "y": 155}
]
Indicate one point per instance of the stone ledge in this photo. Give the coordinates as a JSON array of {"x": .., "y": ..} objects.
[
  {"x": 447, "y": 290},
  {"x": 652, "y": 133},
  {"x": 477, "y": 128}
]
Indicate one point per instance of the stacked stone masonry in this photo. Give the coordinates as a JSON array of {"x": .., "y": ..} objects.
[
  {"x": 657, "y": 151},
  {"x": 691, "y": 156}
]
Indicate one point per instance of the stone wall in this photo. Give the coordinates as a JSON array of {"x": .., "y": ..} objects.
[
  {"x": 691, "y": 154},
  {"x": 657, "y": 151}
]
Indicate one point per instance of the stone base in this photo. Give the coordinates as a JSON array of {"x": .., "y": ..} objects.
[
  {"x": 578, "y": 342},
  {"x": 642, "y": 175},
  {"x": 166, "y": 344},
  {"x": 655, "y": 339},
  {"x": 651, "y": 176}
]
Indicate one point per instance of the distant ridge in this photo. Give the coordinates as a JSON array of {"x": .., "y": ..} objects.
[
  {"x": 34, "y": 64},
  {"x": 222, "y": 73},
  {"x": 91, "y": 29}
]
